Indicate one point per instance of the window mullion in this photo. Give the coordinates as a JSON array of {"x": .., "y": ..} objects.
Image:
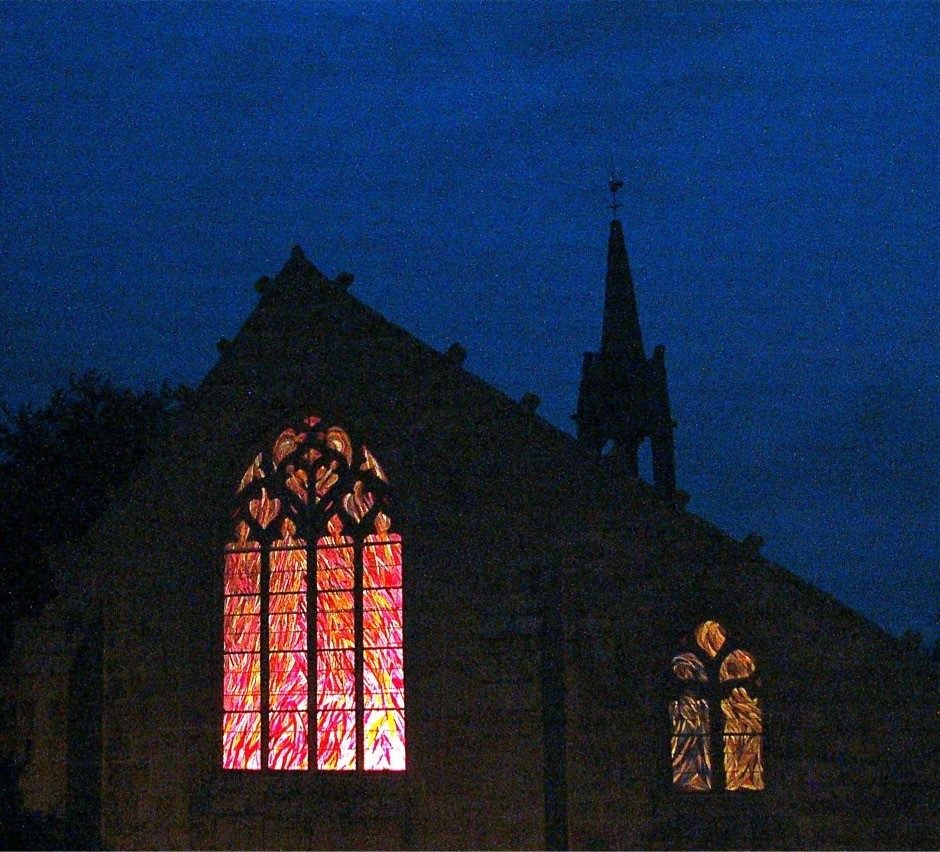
[
  {"x": 360, "y": 690},
  {"x": 265, "y": 653},
  {"x": 313, "y": 737}
]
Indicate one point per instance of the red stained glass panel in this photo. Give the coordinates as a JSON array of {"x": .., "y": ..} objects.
[
  {"x": 241, "y": 741},
  {"x": 381, "y": 562},
  {"x": 287, "y": 631},
  {"x": 288, "y": 681},
  {"x": 242, "y": 623},
  {"x": 243, "y": 573},
  {"x": 288, "y": 741}
]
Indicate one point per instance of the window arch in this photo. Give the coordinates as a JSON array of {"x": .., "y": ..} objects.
[
  {"x": 717, "y": 725},
  {"x": 313, "y": 533}
]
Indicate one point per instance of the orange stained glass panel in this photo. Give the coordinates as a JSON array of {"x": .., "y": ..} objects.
[
  {"x": 296, "y": 481},
  {"x": 371, "y": 464},
  {"x": 336, "y": 629},
  {"x": 288, "y": 571},
  {"x": 242, "y": 623},
  {"x": 287, "y": 631},
  {"x": 384, "y": 739},
  {"x": 264, "y": 509},
  {"x": 331, "y": 579},
  {"x": 334, "y": 565},
  {"x": 253, "y": 472},
  {"x": 737, "y": 666},
  {"x": 358, "y": 502},
  {"x": 337, "y": 439},
  {"x": 691, "y": 760},
  {"x": 689, "y": 667},
  {"x": 290, "y": 602},
  {"x": 334, "y": 601},
  {"x": 241, "y": 741},
  {"x": 744, "y": 769},
  {"x": 287, "y": 442},
  {"x": 336, "y": 739},
  {"x": 241, "y": 680},
  {"x": 381, "y": 599},
  {"x": 288, "y": 742},
  {"x": 710, "y": 636}
]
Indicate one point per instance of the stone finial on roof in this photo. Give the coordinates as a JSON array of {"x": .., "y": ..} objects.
[
  {"x": 456, "y": 354},
  {"x": 530, "y": 402}
]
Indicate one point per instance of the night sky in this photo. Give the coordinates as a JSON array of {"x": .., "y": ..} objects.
[{"x": 781, "y": 211}]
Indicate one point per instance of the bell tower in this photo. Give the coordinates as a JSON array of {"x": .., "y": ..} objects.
[{"x": 623, "y": 399}]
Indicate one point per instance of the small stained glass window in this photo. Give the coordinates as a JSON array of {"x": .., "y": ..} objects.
[{"x": 715, "y": 715}]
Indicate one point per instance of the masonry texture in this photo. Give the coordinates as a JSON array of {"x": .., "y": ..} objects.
[{"x": 546, "y": 590}]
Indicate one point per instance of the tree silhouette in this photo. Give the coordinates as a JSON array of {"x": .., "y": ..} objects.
[{"x": 59, "y": 467}]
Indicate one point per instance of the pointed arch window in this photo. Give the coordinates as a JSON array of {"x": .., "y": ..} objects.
[
  {"x": 313, "y": 534},
  {"x": 716, "y": 715}
]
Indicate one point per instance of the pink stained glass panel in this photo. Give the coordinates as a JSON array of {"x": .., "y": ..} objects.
[
  {"x": 242, "y": 624},
  {"x": 336, "y": 739},
  {"x": 241, "y": 682},
  {"x": 288, "y": 631},
  {"x": 243, "y": 573},
  {"x": 288, "y": 741},
  {"x": 382, "y": 628},
  {"x": 384, "y": 739},
  {"x": 336, "y": 680},
  {"x": 288, "y": 681},
  {"x": 383, "y": 678},
  {"x": 241, "y": 741},
  {"x": 381, "y": 562}
]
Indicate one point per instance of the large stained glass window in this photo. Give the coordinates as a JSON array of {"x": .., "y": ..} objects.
[
  {"x": 715, "y": 712},
  {"x": 313, "y": 536}
]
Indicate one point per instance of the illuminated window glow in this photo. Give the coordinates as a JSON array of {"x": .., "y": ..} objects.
[
  {"x": 715, "y": 711},
  {"x": 315, "y": 499}
]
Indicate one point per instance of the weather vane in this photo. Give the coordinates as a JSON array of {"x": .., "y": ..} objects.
[{"x": 615, "y": 185}]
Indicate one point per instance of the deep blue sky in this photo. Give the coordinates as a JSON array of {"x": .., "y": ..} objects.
[{"x": 781, "y": 210}]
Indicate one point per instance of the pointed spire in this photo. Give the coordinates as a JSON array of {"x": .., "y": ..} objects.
[{"x": 621, "y": 340}]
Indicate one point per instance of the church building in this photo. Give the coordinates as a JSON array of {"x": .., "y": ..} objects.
[{"x": 360, "y": 598}]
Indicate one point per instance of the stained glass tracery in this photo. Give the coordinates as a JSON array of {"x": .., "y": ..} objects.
[
  {"x": 313, "y": 619},
  {"x": 715, "y": 711}
]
